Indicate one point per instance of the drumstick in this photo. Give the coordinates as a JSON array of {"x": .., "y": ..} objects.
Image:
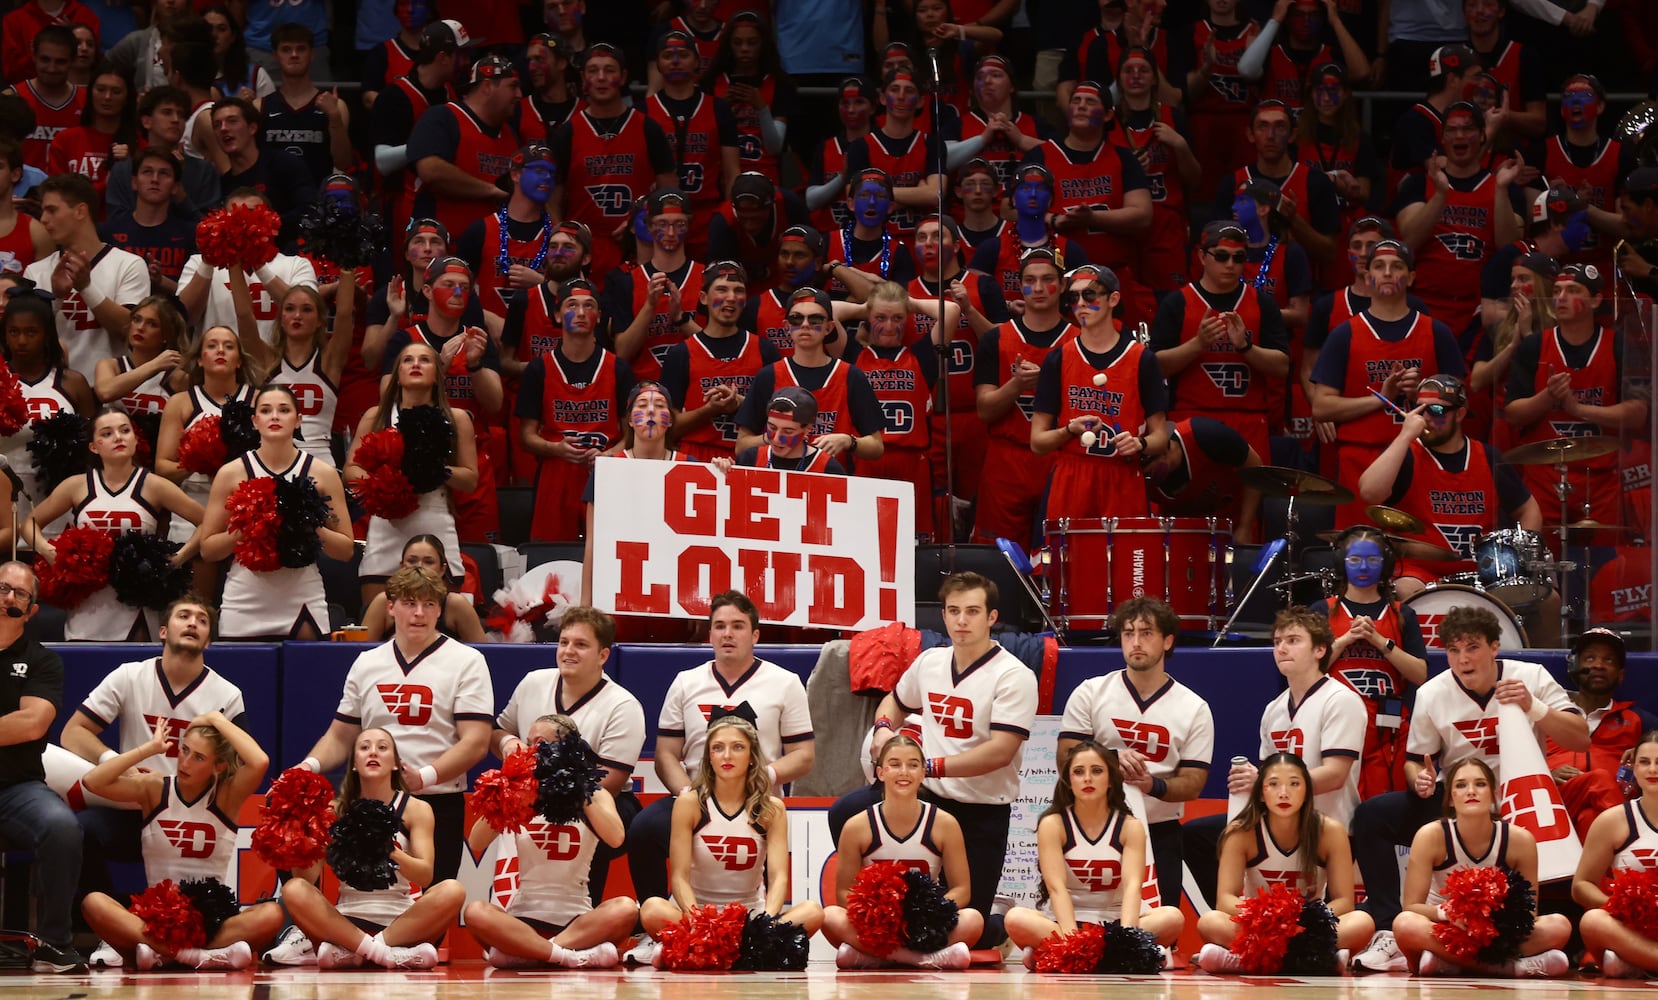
[{"x": 1390, "y": 404}]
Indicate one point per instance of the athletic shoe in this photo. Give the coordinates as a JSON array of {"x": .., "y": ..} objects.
[
  {"x": 146, "y": 958},
  {"x": 56, "y": 958},
  {"x": 1343, "y": 960},
  {"x": 1433, "y": 965},
  {"x": 422, "y": 956},
  {"x": 332, "y": 956},
  {"x": 956, "y": 956},
  {"x": 292, "y": 948},
  {"x": 1548, "y": 965},
  {"x": 1612, "y": 966},
  {"x": 105, "y": 957},
  {"x": 498, "y": 959},
  {"x": 646, "y": 952},
  {"x": 1215, "y": 960},
  {"x": 848, "y": 957},
  {"x": 1382, "y": 955},
  {"x": 600, "y": 956},
  {"x": 1168, "y": 956},
  {"x": 234, "y": 956}
]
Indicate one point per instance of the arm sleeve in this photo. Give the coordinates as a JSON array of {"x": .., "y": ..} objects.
[
  {"x": 1522, "y": 371},
  {"x": 670, "y": 721},
  {"x": 1448, "y": 352},
  {"x": 751, "y": 416},
  {"x": 796, "y": 718},
  {"x": 866, "y": 408},
  {"x": 133, "y": 286},
  {"x": 676, "y": 374},
  {"x": 1273, "y": 333},
  {"x": 1512, "y": 492},
  {"x": 374, "y": 69},
  {"x": 1331, "y": 367},
  {"x": 1170, "y": 319},
  {"x": 351, "y": 701},
  {"x": 1253, "y": 63},
  {"x": 475, "y": 694},
  {"x": 1401, "y": 482},
  {"x": 990, "y": 297},
  {"x": 725, "y": 123},
  {"x": 1411, "y": 629},
  {"x": 1153, "y": 393},
  {"x": 657, "y": 147},
  {"x": 1077, "y": 721},
  {"x": 1047, "y": 385},
  {"x": 907, "y": 692},
  {"x": 1014, "y": 710},
  {"x": 623, "y": 737},
  {"x": 927, "y": 361},
  {"x": 1318, "y": 322},
  {"x": 1345, "y": 726},
  {"x": 508, "y": 719},
  {"x": 435, "y": 134},
  {"x": 1298, "y": 275},
  {"x": 1198, "y": 750},
  {"x": 987, "y": 364},
  {"x": 528, "y": 406},
  {"x": 512, "y": 328},
  {"x": 103, "y": 705}
]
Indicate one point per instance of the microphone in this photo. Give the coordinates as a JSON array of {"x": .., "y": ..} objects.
[
  {"x": 14, "y": 612},
  {"x": 932, "y": 56}
]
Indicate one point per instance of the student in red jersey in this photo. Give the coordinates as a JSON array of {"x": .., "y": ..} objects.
[
  {"x": 1219, "y": 97},
  {"x": 749, "y": 226},
  {"x": 748, "y": 75},
  {"x": 1102, "y": 197},
  {"x": 908, "y": 156},
  {"x": 1517, "y": 68},
  {"x": 1378, "y": 358},
  {"x": 848, "y": 422},
  {"x": 1196, "y": 476},
  {"x": 645, "y": 305},
  {"x": 1156, "y": 133},
  {"x": 871, "y": 242},
  {"x": 1307, "y": 203},
  {"x": 56, "y": 102},
  {"x": 855, "y": 111},
  {"x": 977, "y": 188},
  {"x": 1579, "y": 157},
  {"x": 701, "y": 130},
  {"x": 608, "y": 155},
  {"x": 397, "y": 55},
  {"x": 1221, "y": 342},
  {"x": 107, "y": 132},
  {"x": 1283, "y": 68},
  {"x": 552, "y": 98},
  {"x": 470, "y": 365},
  {"x": 702, "y": 23},
  {"x": 798, "y": 265},
  {"x": 458, "y": 150},
  {"x": 1007, "y": 133},
  {"x": 709, "y": 374},
  {"x": 1004, "y": 386},
  {"x": 786, "y": 443},
  {"x": 1031, "y": 193},
  {"x": 27, "y": 21},
  {"x": 532, "y": 324},
  {"x": 1099, "y": 403},
  {"x": 1330, "y": 140},
  {"x": 1455, "y": 216},
  {"x": 569, "y": 410},
  {"x": 428, "y": 84},
  {"x": 508, "y": 247},
  {"x": 1098, "y": 54},
  {"x": 23, "y": 239},
  {"x": 1276, "y": 265},
  {"x": 1416, "y": 135},
  {"x": 1569, "y": 382},
  {"x": 951, "y": 45},
  {"x": 400, "y": 302}
]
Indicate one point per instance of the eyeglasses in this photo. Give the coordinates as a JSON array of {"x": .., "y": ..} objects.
[
  {"x": 7, "y": 590},
  {"x": 1364, "y": 560},
  {"x": 670, "y": 226},
  {"x": 801, "y": 319},
  {"x": 1090, "y": 295},
  {"x": 1236, "y": 257}
]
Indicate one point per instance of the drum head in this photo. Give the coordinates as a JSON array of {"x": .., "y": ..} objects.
[{"x": 1435, "y": 602}]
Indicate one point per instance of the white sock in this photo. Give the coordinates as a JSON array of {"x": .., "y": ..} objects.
[
  {"x": 192, "y": 957},
  {"x": 557, "y": 954},
  {"x": 909, "y": 956},
  {"x": 374, "y": 949}
]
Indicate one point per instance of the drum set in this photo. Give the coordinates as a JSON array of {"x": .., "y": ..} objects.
[{"x": 1090, "y": 566}]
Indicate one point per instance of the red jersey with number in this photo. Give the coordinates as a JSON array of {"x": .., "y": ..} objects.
[
  {"x": 480, "y": 155},
  {"x": 1448, "y": 265},
  {"x": 771, "y": 322},
  {"x": 964, "y": 343},
  {"x": 1596, "y": 383},
  {"x": 751, "y": 146},
  {"x": 837, "y": 213},
  {"x": 906, "y": 400},
  {"x": 1597, "y": 182},
  {"x": 492, "y": 284},
  {"x": 661, "y": 334},
  {"x": 708, "y": 371},
  {"x": 1097, "y": 182},
  {"x": 1227, "y": 90},
  {"x": 17, "y": 248},
  {"x": 585, "y": 414},
  {"x": 1295, "y": 185},
  {"x": 907, "y": 165},
  {"x": 542, "y": 329},
  {"x": 1369, "y": 360},
  {"x": 1362, "y": 666},
  {"x": 457, "y": 381},
  {"x": 50, "y": 119},
  {"x": 1117, "y": 400},
  {"x": 695, "y": 140},
  {"x": 606, "y": 175},
  {"x": 1113, "y": 41},
  {"x": 1220, "y": 379},
  {"x": 1285, "y": 79},
  {"x": 1002, "y": 153},
  {"x": 1012, "y": 348},
  {"x": 834, "y": 408},
  {"x": 405, "y": 183},
  {"x": 1162, "y": 173},
  {"x": 1455, "y": 507}
]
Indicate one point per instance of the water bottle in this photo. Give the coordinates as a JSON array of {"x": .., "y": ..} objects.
[
  {"x": 1626, "y": 782},
  {"x": 1236, "y": 801}
]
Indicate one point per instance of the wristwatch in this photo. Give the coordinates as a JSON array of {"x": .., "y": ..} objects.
[
  {"x": 1248, "y": 344},
  {"x": 1390, "y": 647}
]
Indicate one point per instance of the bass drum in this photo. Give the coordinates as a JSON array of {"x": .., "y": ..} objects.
[{"x": 1436, "y": 600}]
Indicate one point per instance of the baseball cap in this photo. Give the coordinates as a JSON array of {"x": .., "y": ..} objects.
[
  {"x": 724, "y": 269},
  {"x": 490, "y": 67},
  {"x": 576, "y": 286},
  {"x": 1598, "y": 634},
  {"x": 1541, "y": 263},
  {"x": 1589, "y": 80},
  {"x": 1222, "y": 231},
  {"x": 441, "y": 266},
  {"x": 1557, "y": 204},
  {"x": 1442, "y": 390},
  {"x": 578, "y": 230},
  {"x": 1262, "y": 190},
  {"x": 1642, "y": 182},
  {"x": 816, "y": 295},
  {"x": 977, "y": 165},
  {"x": 808, "y": 237},
  {"x": 1587, "y": 275},
  {"x": 1038, "y": 254},
  {"x": 419, "y": 226},
  {"x": 1452, "y": 59},
  {"x": 1033, "y": 172},
  {"x": 554, "y": 44},
  {"x": 1099, "y": 272},
  {"x": 666, "y": 201},
  {"x": 1392, "y": 248},
  {"x": 1468, "y": 108},
  {"x": 752, "y": 184},
  {"x": 857, "y": 86},
  {"x": 1371, "y": 224},
  {"x": 674, "y": 39},
  {"x": 445, "y": 36},
  {"x": 1329, "y": 73},
  {"x": 530, "y": 153},
  {"x": 795, "y": 403}
]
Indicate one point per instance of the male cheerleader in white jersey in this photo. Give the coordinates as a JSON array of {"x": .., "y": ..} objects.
[
  {"x": 433, "y": 695},
  {"x": 977, "y": 702},
  {"x": 1317, "y": 718},
  {"x": 609, "y": 718},
  {"x": 1455, "y": 719},
  {"x": 735, "y": 676},
  {"x": 178, "y": 686},
  {"x": 1163, "y": 732}
]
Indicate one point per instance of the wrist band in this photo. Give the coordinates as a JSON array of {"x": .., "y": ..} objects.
[
  {"x": 771, "y": 773},
  {"x": 883, "y": 723},
  {"x": 265, "y": 273},
  {"x": 1159, "y": 788},
  {"x": 1537, "y": 710},
  {"x": 107, "y": 755},
  {"x": 935, "y": 767},
  {"x": 311, "y": 764},
  {"x": 501, "y": 748},
  {"x": 93, "y": 296},
  {"x": 428, "y": 776}
]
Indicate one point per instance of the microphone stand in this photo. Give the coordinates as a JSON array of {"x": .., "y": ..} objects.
[
  {"x": 944, "y": 345},
  {"x": 15, "y": 486}
]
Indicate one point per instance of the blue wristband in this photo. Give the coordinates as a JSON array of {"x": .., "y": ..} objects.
[{"x": 1159, "y": 788}]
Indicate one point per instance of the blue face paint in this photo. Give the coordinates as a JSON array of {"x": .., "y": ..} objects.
[
  {"x": 1576, "y": 232},
  {"x": 536, "y": 181},
  {"x": 1247, "y": 213},
  {"x": 1032, "y": 198},
  {"x": 1364, "y": 563},
  {"x": 784, "y": 440},
  {"x": 642, "y": 228},
  {"x": 1577, "y": 106},
  {"x": 871, "y": 204},
  {"x": 342, "y": 198}
]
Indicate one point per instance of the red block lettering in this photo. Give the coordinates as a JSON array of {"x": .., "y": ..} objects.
[
  {"x": 1148, "y": 740},
  {"x": 953, "y": 714},
  {"x": 1289, "y": 741},
  {"x": 633, "y": 595},
  {"x": 770, "y": 573},
  {"x": 694, "y": 596},
  {"x": 846, "y": 610},
  {"x": 691, "y": 501},
  {"x": 1097, "y": 875},
  {"x": 751, "y": 491},
  {"x": 559, "y": 843},
  {"x": 411, "y": 704},
  {"x": 819, "y": 492},
  {"x": 193, "y": 840},
  {"x": 1533, "y": 801},
  {"x": 1481, "y": 733},
  {"x": 738, "y": 854}
]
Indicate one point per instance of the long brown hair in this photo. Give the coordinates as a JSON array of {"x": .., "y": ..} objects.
[
  {"x": 1345, "y": 121},
  {"x": 393, "y": 392},
  {"x": 1309, "y": 821},
  {"x": 1448, "y": 799},
  {"x": 173, "y": 326},
  {"x": 1542, "y": 312},
  {"x": 248, "y": 371},
  {"x": 351, "y": 786},
  {"x": 1116, "y": 802}
]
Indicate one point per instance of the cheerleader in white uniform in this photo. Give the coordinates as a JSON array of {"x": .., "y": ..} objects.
[
  {"x": 550, "y": 920},
  {"x": 460, "y": 615},
  {"x": 286, "y": 603},
  {"x": 35, "y": 355},
  {"x": 306, "y": 358},
  {"x": 729, "y": 806},
  {"x": 189, "y": 832},
  {"x": 387, "y": 927},
  {"x": 1091, "y": 852},
  {"x": 416, "y": 380},
  {"x": 1281, "y": 837},
  {"x": 1471, "y": 836},
  {"x": 117, "y": 497},
  {"x": 930, "y": 841},
  {"x": 1622, "y": 838},
  {"x": 152, "y": 371}
]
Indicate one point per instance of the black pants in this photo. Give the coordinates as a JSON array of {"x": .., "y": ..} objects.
[
  {"x": 1200, "y": 839},
  {"x": 1167, "y": 846},
  {"x": 1380, "y": 825},
  {"x": 850, "y": 805},
  {"x": 647, "y": 847},
  {"x": 108, "y": 836},
  {"x": 627, "y": 807},
  {"x": 448, "y": 833}
]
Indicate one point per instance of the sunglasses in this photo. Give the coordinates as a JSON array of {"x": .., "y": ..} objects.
[
  {"x": 1235, "y": 257},
  {"x": 801, "y": 319},
  {"x": 1090, "y": 295},
  {"x": 1439, "y": 412}
]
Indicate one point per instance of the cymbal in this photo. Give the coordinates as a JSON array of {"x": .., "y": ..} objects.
[
  {"x": 1561, "y": 450},
  {"x": 1394, "y": 520},
  {"x": 1412, "y": 548},
  {"x": 1590, "y": 526},
  {"x": 1308, "y": 487}
]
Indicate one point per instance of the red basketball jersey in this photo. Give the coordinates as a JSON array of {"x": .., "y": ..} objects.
[
  {"x": 1369, "y": 360},
  {"x": 834, "y": 411},
  {"x": 708, "y": 371},
  {"x": 906, "y": 401},
  {"x": 1220, "y": 379}
]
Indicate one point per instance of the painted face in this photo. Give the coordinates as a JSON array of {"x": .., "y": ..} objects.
[
  {"x": 1032, "y": 198},
  {"x": 112, "y": 435},
  {"x": 580, "y": 313},
  {"x": 992, "y": 86},
  {"x": 872, "y": 203},
  {"x": 1389, "y": 275},
  {"x": 535, "y": 182},
  {"x": 450, "y": 293},
  {"x": 795, "y": 264},
  {"x": 725, "y": 300},
  {"x": 1246, "y": 211},
  {"x": 1578, "y": 105},
  {"x": 1576, "y": 231},
  {"x": 1086, "y": 111},
  {"x": 651, "y": 415},
  {"x": 642, "y": 228},
  {"x": 932, "y": 242},
  {"x": 783, "y": 434},
  {"x": 886, "y": 324},
  {"x": 1134, "y": 77},
  {"x": 1488, "y": 93},
  {"x": 1364, "y": 563},
  {"x": 1522, "y": 283},
  {"x": 563, "y": 256},
  {"x": 677, "y": 62},
  {"x": 1358, "y": 248},
  {"x": 1572, "y": 300},
  {"x": 1040, "y": 285},
  {"x": 413, "y": 14},
  {"x": 668, "y": 230},
  {"x": 342, "y": 198},
  {"x": 855, "y": 109}
]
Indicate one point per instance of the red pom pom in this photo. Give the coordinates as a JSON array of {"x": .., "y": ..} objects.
[
  {"x": 1265, "y": 926},
  {"x": 242, "y": 236},
  {"x": 80, "y": 570},
  {"x": 386, "y": 493},
  {"x": 1633, "y": 900},
  {"x": 707, "y": 938},
  {"x": 299, "y": 809},
  {"x": 1077, "y": 952},
  {"x": 1472, "y": 895},
  {"x": 252, "y": 510},
  {"x": 505, "y": 797},
  {"x": 14, "y": 409},
  {"x": 378, "y": 448},
  {"x": 875, "y": 907},
  {"x": 201, "y": 449},
  {"x": 170, "y": 919}
]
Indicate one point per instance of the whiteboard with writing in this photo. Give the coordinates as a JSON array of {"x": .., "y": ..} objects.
[{"x": 1039, "y": 771}]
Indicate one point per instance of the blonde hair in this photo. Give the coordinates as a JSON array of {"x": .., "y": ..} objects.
[
  {"x": 223, "y": 753},
  {"x": 248, "y": 371},
  {"x": 173, "y": 326},
  {"x": 756, "y": 783},
  {"x": 889, "y": 292},
  {"x": 1542, "y": 313},
  {"x": 322, "y": 318}
]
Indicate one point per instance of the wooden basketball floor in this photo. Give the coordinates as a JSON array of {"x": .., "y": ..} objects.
[{"x": 820, "y": 981}]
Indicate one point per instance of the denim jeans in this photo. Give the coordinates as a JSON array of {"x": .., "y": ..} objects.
[{"x": 33, "y": 818}]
